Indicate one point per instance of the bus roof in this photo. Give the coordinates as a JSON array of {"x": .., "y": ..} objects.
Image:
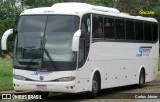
[{"x": 79, "y": 9}]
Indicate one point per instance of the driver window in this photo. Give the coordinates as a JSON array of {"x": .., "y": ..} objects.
[{"x": 84, "y": 39}]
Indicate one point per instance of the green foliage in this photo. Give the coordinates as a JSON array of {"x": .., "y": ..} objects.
[
  {"x": 41, "y": 3},
  {"x": 8, "y": 14},
  {"x": 133, "y": 7},
  {"x": 6, "y": 74},
  {"x": 130, "y": 6},
  {"x": 157, "y": 12},
  {"x": 37, "y": 3}
]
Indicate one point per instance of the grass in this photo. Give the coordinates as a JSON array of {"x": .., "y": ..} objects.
[{"x": 6, "y": 74}]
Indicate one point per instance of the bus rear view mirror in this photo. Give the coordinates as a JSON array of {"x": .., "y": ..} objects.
[
  {"x": 4, "y": 39},
  {"x": 75, "y": 41}
]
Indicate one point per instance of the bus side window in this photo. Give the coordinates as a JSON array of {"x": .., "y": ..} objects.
[
  {"x": 147, "y": 31},
  {"x": 84, "y": 39},
  {"x": 130, "y": 30},
  {"x": 139, "y": 30},
  {"x": 97, "y": 27},
  {"x": 109, "y": 28},
  {"x": 154, "y": 31},
  {"x": 120, "y": 28},
  {"x": 83, "y": 28}
]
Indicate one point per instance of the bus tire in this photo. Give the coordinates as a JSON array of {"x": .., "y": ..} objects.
[
  {"x": 95, "y": 87},
  {"x": 44, "y": 95},
  {"x": 141, "y": 78}
]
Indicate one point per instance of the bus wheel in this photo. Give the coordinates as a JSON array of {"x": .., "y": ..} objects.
[
  {"x": 44, "y": 95},
  {"x": 95, "y": 87},
  {"x": 141, "y": 78}
]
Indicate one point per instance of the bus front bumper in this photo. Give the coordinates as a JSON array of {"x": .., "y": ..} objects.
[{"x": 68, "y": 87}]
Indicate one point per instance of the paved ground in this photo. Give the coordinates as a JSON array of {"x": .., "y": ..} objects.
[
  {"x": 109, "y": 95},
  {"x": 14, "y": 92}
]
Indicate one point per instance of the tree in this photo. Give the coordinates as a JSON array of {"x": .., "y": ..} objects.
[
  {"x": 156, "y": 9},
  {"x": 37, "y": 3},
  {"x": 42, "y": 3},
  {"x": 130, "y": 6},
  {"x": 133, "y": 7},
  {"x": 8, "y": 14}
]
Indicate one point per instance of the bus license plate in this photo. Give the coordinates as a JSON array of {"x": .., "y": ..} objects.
[{"x": 41, "y": 87}]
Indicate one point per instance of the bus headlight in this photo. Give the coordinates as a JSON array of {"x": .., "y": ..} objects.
[
  {"x": 64, "y": 79},
  {"x": 18, "y": 77}
]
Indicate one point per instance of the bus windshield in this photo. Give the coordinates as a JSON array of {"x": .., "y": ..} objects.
[{"x": 53, "y": 33}]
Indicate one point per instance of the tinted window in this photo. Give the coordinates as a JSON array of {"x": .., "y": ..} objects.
[
  {"x": 97, "y": 29},
  {"x": 62, "y": 23},
  {"x": 147, "y": 31},
  {"x": 139, "y": 30},
  {"x": 32, "y": 24},
  {"x": 130, "y": 30},
  {"x": 58, "y": 35},
  {"x": 155, "y": 32},
  {"x": 109, "y": 28},
  {"x": 120, "y": 31},
  {"x": 84, "y": 39}
]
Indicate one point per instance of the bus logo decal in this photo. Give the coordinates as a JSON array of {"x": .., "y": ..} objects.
[
  {"x": 41, "y": 77},
  {"x": 41, "y": 73},
  {"x": 144, "y": 51},
  {"x": 34, "y": 73}
]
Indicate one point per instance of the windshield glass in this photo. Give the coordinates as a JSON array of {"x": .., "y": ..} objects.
[
  {"x": 59, "y": 34},
  {"x": 30, "y": 30},
  {"x": 53, "y": 33}
]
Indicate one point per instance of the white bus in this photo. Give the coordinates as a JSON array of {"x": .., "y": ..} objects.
[{"x": 78, "y": 47}]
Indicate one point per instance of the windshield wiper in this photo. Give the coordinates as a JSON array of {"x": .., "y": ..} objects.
[
  {"x": 47, "y": 53},
  {"x": 50, "y": 58}
]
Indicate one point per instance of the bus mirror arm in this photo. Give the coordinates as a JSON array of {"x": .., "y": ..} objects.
[
  {"x": 75, "y": 41},
  {"x": 4, "y": 38}
]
